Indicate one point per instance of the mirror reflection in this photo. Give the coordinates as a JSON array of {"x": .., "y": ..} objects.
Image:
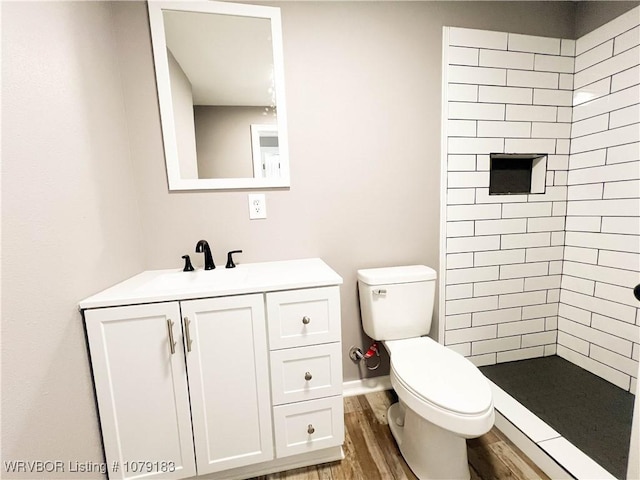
[{"x": 219, "y": 75}]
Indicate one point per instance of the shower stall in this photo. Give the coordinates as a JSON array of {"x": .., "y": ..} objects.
[{"x": 540, "y": 248}]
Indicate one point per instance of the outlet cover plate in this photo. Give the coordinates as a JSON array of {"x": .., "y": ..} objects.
[{"x": 257, "y": 206}]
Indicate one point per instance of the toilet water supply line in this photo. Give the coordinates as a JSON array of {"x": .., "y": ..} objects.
[{"x": 357, "y": 356}]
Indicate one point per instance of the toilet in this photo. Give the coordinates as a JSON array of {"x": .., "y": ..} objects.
[{"x": 443, "y": 397}]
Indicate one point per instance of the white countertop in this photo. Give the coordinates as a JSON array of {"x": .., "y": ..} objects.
[{"x": 168, "y": 285}]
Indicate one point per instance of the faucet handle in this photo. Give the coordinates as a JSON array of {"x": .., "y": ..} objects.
[
  {"x": 187, "y": 264},
  {"x": 230, "y": 263}
]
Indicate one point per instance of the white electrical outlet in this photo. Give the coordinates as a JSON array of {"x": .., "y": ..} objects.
[{"x": 257, "y": 206}]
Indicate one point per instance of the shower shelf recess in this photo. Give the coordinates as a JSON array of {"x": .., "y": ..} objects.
[{"x": 517, "y": 173}]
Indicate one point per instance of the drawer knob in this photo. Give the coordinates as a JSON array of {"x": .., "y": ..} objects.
[
  {"x": 308, "y": 376},
  {"x": 310, "y": 429},
  {"x": 306, "y": 320}
]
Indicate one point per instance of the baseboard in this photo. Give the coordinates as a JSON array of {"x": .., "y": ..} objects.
[{"x": 366, "y": 385}]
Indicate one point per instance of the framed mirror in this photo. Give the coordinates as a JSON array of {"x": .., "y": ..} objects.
[{"x": 220, "y": 78}]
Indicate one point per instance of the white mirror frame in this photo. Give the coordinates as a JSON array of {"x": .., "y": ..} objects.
[{"x": 158, "y": 41}]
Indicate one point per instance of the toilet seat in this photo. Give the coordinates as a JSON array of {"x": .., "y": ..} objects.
[{"x": 441, "y": 385}]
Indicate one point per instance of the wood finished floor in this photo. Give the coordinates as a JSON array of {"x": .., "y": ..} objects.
[{"x": 371, "y": 452}]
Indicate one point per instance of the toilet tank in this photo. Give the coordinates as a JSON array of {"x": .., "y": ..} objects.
[{"x": 396, "y": 302}]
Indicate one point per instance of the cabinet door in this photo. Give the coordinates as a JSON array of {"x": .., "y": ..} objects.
[
  {"x": 227, "y": 362},
  {"x": 141, "y": 387}
]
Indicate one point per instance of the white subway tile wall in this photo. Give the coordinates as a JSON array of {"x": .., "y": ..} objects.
[
  {"x": 598, "y": 314},
  {"x": 550, "y": 273}
]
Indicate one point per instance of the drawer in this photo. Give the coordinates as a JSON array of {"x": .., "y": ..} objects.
[
  {"x": 307, "y": 426},
  {"x": 305, "y": 373},
  {"x": 303, "y": 317}
]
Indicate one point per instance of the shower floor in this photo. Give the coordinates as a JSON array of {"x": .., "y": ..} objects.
[{"x": 588, "y": 411}]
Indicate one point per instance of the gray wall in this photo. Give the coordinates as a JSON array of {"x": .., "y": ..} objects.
[
  {"x": 70, "y": 222},
  {"x": 85, "y": 207},
  {"x": 223, "y": 139},
  {"x": 182, "y": 103}
]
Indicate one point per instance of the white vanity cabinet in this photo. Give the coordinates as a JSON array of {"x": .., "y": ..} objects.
[
  {"x": 140, "y": 379},
  {"x": 237, "y": 378}
]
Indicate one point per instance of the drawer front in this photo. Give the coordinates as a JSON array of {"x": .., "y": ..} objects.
[
  {"x": 303, "y": 317},
  {"x": 306, "y": 373},
  {"x": 307, "y": 426}
]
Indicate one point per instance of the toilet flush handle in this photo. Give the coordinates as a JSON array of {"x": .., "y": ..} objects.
[{"x": 380, "y": 292}]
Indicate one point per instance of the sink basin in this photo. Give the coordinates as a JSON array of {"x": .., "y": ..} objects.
[
  {"x": 197, "y": 280},
  {"x": 247, "y": 278}
]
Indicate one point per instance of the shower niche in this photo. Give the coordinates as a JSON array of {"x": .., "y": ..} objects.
[{"x": 517, "y": 173}]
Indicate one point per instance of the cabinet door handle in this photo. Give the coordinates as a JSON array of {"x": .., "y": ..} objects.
[
  {"x": 308, "y": 376},
  {"x": 306, "y": 320},
  {"x": 172, "y": 343},
  {"x": 310, "y": 429},
  {"x": 187, "y": 333}
]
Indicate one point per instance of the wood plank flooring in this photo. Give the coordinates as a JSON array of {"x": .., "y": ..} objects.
[{"x": 371, "y": 452}]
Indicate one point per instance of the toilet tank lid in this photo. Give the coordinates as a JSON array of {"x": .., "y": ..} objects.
[{"x": 390, "y": 275}]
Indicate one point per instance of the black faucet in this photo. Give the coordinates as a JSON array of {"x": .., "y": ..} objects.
[{"x": 203, "y": 246}]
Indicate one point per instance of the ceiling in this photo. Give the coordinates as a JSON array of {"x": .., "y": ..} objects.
[{"x": 228, "y": 59}]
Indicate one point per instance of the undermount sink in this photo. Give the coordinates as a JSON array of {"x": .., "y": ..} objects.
[{"x": 196, "y": 280}]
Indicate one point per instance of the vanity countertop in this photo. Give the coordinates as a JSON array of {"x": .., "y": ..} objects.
[{"x": 167, "y": 285}]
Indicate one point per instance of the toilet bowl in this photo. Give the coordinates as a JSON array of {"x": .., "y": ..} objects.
[
  {"x": 441, "y": 385},
  {"x": 443, "y": 398},
  {"x": 439, "y": 407}
]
